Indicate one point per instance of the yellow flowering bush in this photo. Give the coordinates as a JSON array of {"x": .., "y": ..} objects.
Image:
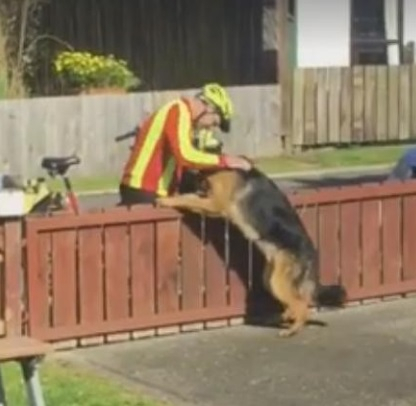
[{"x": 85, "y": 70}]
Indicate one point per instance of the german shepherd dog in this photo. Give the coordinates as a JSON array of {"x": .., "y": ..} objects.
[{"x": 264, "y": 215}]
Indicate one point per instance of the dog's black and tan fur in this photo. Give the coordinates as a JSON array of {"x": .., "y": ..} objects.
[{"x": 265, "y": 216}]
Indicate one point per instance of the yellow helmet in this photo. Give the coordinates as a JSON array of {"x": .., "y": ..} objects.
[{"x": 216, "y": 95}]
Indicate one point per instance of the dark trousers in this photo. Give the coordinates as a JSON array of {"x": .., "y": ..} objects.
[{"x": 130, "y": 196}]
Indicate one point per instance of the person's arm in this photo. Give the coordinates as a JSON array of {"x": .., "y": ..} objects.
[{"x": 177, "y": 129}]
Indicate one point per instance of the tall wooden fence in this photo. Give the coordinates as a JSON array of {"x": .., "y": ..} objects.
[
  {"x": 88, "y": 125},
  {"x": 362, "y": 104},
  {"x": 125, "y": 271}
]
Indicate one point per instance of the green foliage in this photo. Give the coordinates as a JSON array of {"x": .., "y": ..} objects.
[{"x": 85, "y": 70}]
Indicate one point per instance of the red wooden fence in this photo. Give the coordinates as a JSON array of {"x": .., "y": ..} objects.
[
  {"x": 365, "y": 235},
  {"x": 121, "y": 270},
  {"x": 11, "y": 273},
  {"x": 2, "y": 281},
  {"x": 127, "y": 270}
]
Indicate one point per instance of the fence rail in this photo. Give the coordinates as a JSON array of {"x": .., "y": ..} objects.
[
  {"x": 362, "y": 104},
  {"x": 123, "y": 271}
]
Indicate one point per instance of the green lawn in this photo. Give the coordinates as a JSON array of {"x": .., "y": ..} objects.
[
  {"x": 332, "y": 158},
  {"x": 66, "y": 385},
  {"x": 312, "y": 160}
]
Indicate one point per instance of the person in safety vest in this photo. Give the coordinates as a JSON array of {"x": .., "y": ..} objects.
[{"x": 165, "y": 145}]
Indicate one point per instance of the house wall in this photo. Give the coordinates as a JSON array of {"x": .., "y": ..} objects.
[
  {"x": 175, "y": 44},
  {"x": 409, "y": 20},
  {"x": 324, "y": 31}
]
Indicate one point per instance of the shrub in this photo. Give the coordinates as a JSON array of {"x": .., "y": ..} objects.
[{"x": 83, "y": 70}]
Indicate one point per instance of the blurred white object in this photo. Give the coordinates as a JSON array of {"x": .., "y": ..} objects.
[{"x": 12, "y": 203}]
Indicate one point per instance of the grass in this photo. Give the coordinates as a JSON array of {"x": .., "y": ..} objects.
[
  {"x": 333, "y": 158},
  {"x": 311, "y": 160},
  {"x": 88, "y": 184},
  {"x": 67, "y": 385}
]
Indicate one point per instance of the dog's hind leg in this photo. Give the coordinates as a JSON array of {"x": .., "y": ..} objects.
[
  {"x": 282, "y": 287},
  {"x": 287, "y": 316},
  {"x": 191, "y": 202}
]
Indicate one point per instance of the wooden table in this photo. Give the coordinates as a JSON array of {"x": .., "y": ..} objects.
[{"x": 28, "y": 352}]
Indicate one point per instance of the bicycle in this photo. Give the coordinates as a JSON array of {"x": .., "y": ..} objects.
[{"x": 34, "y": 196}]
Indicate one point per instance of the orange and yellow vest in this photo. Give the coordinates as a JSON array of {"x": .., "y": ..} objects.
[{"x": 163, "y": 147}]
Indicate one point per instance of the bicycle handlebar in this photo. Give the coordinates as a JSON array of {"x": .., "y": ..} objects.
[{"x": 130, "y": 134}]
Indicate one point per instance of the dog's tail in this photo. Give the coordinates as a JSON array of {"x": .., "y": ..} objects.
[{"x": 331, "y": 295}]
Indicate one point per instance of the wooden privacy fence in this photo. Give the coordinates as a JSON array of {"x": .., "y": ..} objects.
[
  {"x": 362, "y": 104},
  {"x": 103, "y": 273},
  {"x": 58, "y": 126}
]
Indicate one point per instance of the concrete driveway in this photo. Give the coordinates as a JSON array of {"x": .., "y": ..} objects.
[{"x": 366, "y": 356}]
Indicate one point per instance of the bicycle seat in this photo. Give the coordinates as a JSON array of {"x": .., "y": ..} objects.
[{"x": 59, "y": 164}]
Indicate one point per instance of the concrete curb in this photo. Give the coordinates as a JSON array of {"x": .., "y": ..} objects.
[{"x": 286, "y": 175}]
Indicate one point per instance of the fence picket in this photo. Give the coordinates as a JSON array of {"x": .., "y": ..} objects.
[
  {"x": 64, "y": 278},
  {"x": 167, "y": 266},
  {"x": 393, "y": 103},
  {"x": 143, "y": 269},
  {"x": 334, "y": 105},
  {"x": 322, "y": 107},
  {"x": 116, "y": 265},
  {"x": 350, "y": 245},
  {"x": 346, "y": 106},
  {"x": 11, "y": 252},
  {"x": 215, "y": 267},
  {"x": 310, "y": 100},
  {"x": 370, "y": 103},
  {"x": 408, "y": 238},
  {"x": 3, "y": 280},
  {"x": 329, "y": 243},
  {"x": 359, "y": 104},
  {"x": 39, "y": 281},
  {"x": 238, "y": 266},
  {"x": 404, "y": 105},
  {"x": 192, "y": 262},
  {"x": 371, "y": 244},
  {"x": 413, "y": 101},
  {"x": 391, "y": 220},
  {"x": 382, "y": 104},
  {"x": 91, "y": 276}
]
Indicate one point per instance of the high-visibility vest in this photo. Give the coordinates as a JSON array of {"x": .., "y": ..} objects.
[{"x": 163, "y": 147}]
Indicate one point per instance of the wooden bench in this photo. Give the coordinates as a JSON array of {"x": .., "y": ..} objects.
[{"x": 28, "y": 352}]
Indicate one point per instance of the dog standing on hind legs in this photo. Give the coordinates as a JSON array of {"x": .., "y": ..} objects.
[{"x": 264, "y": 215}]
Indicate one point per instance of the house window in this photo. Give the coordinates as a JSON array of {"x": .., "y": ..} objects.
[{"x": 376, "y": 32}]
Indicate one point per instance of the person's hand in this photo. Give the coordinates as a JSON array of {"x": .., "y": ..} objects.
[{"x": 237, "y": 162}]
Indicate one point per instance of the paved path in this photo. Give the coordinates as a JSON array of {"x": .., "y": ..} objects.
[
  {"x": 366, "y": 356},
  {"x": 287, "y": 182}
]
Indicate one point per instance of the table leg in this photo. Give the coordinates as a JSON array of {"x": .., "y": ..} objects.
[
  {"x": 32, "y": 382},
  {"x": 3, "y": 401}
]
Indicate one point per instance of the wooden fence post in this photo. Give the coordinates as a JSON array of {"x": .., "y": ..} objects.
[
  {"x": 284, "y": 72},
  {"x": 13, "y": 277}
]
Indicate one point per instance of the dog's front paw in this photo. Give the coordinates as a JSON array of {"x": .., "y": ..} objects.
[
  {"x": 159, "y": 202},
  {"x": 162, "y": 202}
]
